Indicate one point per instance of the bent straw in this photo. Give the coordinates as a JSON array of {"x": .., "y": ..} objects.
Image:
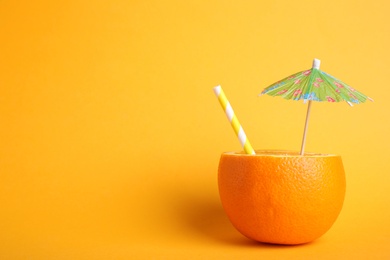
[{"x": 233, "y": 120}]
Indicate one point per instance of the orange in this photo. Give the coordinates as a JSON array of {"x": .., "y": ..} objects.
[{"x": 281, "y": 197}]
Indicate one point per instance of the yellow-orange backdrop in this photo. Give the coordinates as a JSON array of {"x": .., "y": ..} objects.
[{"x": 110, "y": 134}]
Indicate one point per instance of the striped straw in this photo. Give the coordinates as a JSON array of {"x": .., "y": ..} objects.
[{"x": 233, "y": 120}]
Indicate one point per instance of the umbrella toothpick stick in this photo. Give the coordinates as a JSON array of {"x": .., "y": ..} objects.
[
  {"x": 316, "y": 65},
  {"x": 305, "y": 129}
]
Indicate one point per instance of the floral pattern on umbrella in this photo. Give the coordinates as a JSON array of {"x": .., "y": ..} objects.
[{"x": 315, "y": 85}]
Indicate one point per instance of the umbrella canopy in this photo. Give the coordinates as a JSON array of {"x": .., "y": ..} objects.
[{"x": 314, "y": 85}]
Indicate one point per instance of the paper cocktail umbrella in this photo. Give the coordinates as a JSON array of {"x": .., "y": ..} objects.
[{"x": 314, "y": 85}]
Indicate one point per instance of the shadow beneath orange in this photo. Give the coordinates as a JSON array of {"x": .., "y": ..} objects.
[{"x": 206, "y": 217}]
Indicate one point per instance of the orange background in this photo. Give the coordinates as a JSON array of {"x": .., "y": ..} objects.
[{"x": 110, "y": 133}]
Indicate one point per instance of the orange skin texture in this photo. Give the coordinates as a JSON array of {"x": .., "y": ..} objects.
[{"x": 281, "y": 199}]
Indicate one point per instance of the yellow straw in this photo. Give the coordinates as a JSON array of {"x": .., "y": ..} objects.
[{"x": 233, "y": 120}]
